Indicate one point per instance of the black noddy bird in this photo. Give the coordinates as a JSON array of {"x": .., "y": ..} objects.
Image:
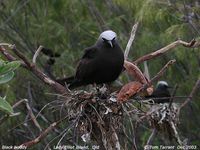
[
  {"x": 161, "y": 93},
  {"x": 100, "y": 63}
]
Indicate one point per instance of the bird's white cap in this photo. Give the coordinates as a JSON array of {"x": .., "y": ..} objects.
[
  {"x": 162, "y": 83},
  {"x": 108, "y": 35}
]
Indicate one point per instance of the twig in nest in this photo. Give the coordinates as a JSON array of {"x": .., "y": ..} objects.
[
  {"x": 176, "y": 133},
  {"x": 150, "y": 139},
  {"x": 37, "y": 53},
  {"x": 132, "y": 37},
  {"x": 164, "y": 50}
]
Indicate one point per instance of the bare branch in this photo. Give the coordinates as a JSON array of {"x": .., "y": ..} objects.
[
  {"x": 8, "y": 56},
  {"x": 25, "y": 62},
  {"x": 43, "y": 134},
  {"x": 163, "y": 50},
  {"x": 36, "y": 54},
  {"x": 131, "y": 39},
  {"x": 157, "y": 76}
]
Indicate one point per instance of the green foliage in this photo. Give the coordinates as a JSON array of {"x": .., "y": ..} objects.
[
  {"x": 5, "y": 106},
  {"x": 6, "y": 74},
  {"x": 7, "y": 70}
]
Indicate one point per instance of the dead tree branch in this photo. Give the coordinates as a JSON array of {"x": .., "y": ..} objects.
[
  {"x": 131, "y": 39},
  {"x": 25, "y": 63},
  {"x": 165, "y": 49},
  {"x": 43, "y": 134},
  {"x": 157, "y": 76}
]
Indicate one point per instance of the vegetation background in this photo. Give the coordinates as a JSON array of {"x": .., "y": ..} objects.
[{"x": 69, "y": 26}]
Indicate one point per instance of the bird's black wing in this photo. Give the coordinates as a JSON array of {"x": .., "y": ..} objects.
[{"x": 86, "y": 65}]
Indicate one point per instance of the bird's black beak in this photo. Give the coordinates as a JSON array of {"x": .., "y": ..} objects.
[{"x": 111, "y": 45}]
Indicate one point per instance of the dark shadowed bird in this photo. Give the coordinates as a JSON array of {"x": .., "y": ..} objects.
[
  {"x": 161, "y": 92},
  {"x": 100, "y": 63}
]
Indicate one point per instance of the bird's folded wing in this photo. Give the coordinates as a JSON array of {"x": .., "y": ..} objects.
[{"x": 86, "y": 65}]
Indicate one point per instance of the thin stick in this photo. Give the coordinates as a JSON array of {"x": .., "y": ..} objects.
[
  {"x": 172, "y": 96},
  {"x": 150, "y": 139},
  {"x": 131, "y": 39},
  {"x": 37, "y": 53},
  {"x": 33, "y": 118},
  {"x": 176, "y": 133},
  {"x": 194, "y": 89}
]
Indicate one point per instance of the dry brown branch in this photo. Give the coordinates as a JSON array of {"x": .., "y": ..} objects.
[
  {"x": 43, "y": 134},
  {"x": 135, "y": 72},
  {"x": 19, "y": 102},
  {"x": 165, "y": 49},
  {"x": 194, "y": 89},
  {"x": 42, "y": 76},
  {"x": 131, "y": 39},
  {"x": 8, "y": 56},
  {"x": 134, "y": 88},
  {"x": 128, "y": 90},
  {"x": 157, "y": 76}
]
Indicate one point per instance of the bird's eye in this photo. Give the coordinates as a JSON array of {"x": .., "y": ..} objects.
[
  {"x": 113, "y": 39},
  {"x": 104, "y": 39}
]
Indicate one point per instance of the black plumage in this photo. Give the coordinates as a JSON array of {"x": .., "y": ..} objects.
[
  {"x": 101, "y": 63},
  {"x": 161, "y": 94}
]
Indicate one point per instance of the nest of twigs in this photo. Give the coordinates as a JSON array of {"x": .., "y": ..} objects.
[{"x": 97, "y": 116}]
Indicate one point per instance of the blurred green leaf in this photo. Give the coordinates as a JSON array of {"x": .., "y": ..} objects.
[
  {"x": 9, "y": 66},
  {"x": 5, "y": 106},
  {"x": 6, "y": 77}
]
